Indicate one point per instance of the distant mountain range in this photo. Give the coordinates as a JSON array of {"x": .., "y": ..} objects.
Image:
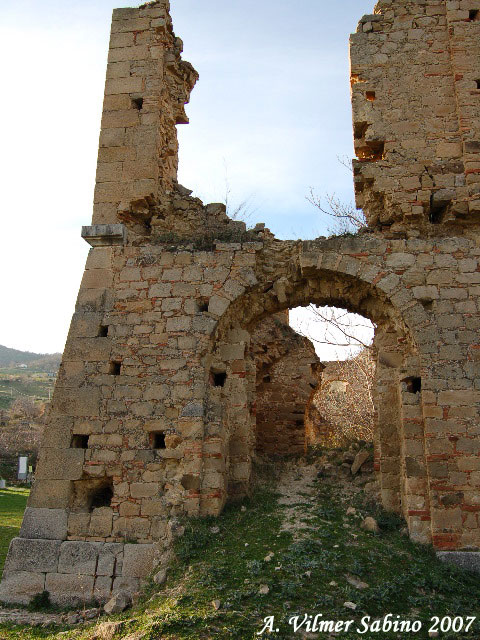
[{"x": 38, "y": 361}]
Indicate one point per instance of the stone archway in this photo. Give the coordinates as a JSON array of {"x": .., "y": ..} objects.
[{"x": 323, "y": 273}]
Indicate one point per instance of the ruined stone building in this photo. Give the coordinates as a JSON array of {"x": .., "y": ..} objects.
[{"x": 153, "y": 415}]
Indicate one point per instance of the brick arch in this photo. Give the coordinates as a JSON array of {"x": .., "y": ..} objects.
[
  {"x": 312, "y": 275},
  {"x": 331, "y": 272}
]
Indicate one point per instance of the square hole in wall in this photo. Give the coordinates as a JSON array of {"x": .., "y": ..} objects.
[
  {"x": 103, "y": 331},
  {"x": 79, "y": 441},
  {"x": 267, "y": 379},
  {"x": 202, "y": 305},
  {"x": 427, "y": 304},
  {"x": 92, "y": 493},
  {"x": 474, "y": 14},
  {"x": 137, "y": 103},
  {"x": 218, "y": 378},
  {"x": 478, "y": 83},
  {"x": 115, "y": 367},
  {"x": 101, "y": 497},
  {"x": 370, "y": 95},
  {"x": 157, "y": 440},
  {"x": 413, "y": 384}
]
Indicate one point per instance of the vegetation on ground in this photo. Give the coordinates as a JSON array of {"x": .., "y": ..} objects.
[
  {"x": 12, "y": 505},
  {"x": 233, "y": 571}
]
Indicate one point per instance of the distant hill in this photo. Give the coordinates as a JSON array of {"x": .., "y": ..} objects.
[{"x": 38, "y": 361}]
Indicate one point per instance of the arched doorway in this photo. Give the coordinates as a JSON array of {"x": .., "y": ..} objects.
[{"x": 230, "y": 415}]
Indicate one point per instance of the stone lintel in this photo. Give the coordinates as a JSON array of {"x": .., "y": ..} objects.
[{"x": 104, "y": 235}]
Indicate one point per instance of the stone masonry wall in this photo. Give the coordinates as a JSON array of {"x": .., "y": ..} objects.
[
  {"x": 153, "y": 414},
  {"x": 415, "y": 93},
  {"x": 146, "y": 89},
  {"x": 288, "y": 371}
]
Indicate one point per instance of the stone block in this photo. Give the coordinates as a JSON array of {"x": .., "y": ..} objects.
[
  {"x": 103, "y": 235},
  {"x": 101, "y": 522},
  {"x": 123, "y": 85},
  {"x": 99, "y": 258},
  {"x": 217, "y": 306},
  {"x": 79, "y": 558},
  {"x": 129, "y": 585},
  {"x": 47, "y": 524},
  {"x": 138, "y": 560},
  {"x": 97, "y": 278},
  {"x": 32, "y": 556},
  {"x": 78, "y": 524},
  {"x": 110, "y": 559},
  {"x": 60, "y": 464},
  {"x": 68, "y": 589},
  {"x": 50, "y": 494},
  {"x": 88, "y": 349},
  {"x": 19, "y": 587},
  {"x": 144, "y": 489},
  {"x": 102, "y": 589},
  {"x": 58, "y": 431},
  {"x": 192, "y": 410},
  {"x": 468, "y": 560}
]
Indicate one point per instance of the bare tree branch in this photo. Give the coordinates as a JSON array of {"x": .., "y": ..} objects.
[{"x": 347, "y": 218}]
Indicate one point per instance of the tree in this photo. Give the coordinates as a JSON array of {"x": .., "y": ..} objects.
[
  {"x": 343, "y": 409},
  {"x": 25, "y": 407},
  {"x": 347, "y": 219}
]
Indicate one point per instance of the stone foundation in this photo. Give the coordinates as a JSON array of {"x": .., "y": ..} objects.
[{"x": 73, "y": 572}]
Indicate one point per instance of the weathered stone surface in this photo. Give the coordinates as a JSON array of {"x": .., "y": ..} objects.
[
  {"x": 468, "y": 560},
  {"x": 129, "y": 585},
  {"x": 107, "y": 630},
  {"x": 33, "y": 556},
  {"x": 60, "y": 464},
  {"x": 138, "y": 560},
  {"x": 19, "y": 587},
  {"x": 99, "y": 235},
  {"x": 110, "y": 559},
  {"x": 118, "y": 603},
  {"x": 360, "y": 459},
  {"x": 69, "y": 589},
  {"x": 50, "y": 494},
  {"x": 78, "y": 557},
  {"x": 49, "y": 524},
  {"x": 103, "y": 588}
]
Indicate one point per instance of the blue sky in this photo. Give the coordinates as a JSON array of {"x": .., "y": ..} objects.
[{"x": 270, "y": 115}]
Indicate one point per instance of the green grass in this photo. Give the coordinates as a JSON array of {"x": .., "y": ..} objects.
[
  {"x": 12, "y": 506},
  {"x": 229, "y": 565}
]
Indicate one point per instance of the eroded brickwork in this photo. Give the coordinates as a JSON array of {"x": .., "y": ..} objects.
[
  {"x": 287, "y": 373},
  {"x": 146, "y": 89},
  {"x": 153, "y": 415},
  {"x": 414, "y": 73}
]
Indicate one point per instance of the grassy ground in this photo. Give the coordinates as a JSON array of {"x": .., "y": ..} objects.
[
  {"x": 12, "y": 506},
  {"x": 223, "y": 560}
]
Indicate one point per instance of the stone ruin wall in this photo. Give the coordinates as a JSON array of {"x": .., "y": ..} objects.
[
  {"x": 287, "y": 373},
  {"x": 415, "y": 93},
  {"x": 139, "y": 433}
]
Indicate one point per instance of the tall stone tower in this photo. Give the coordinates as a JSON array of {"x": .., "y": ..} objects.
[{"x": 107, "y": 448}]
